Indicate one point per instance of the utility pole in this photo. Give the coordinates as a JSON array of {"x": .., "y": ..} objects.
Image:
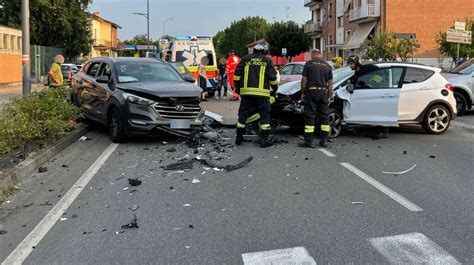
[
  {"x": 148, "y": 22},
  {"x": 25, "y": 58},
  {"x": 164, "y": 23}
]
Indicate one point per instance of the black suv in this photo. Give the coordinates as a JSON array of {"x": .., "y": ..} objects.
[{"x": 137, "y": 96}]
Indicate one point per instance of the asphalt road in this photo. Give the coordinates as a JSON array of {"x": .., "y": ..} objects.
[{"x": 333, "y": 206}]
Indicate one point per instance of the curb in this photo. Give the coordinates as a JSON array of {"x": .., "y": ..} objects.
[{"x": 30, "y": 165}]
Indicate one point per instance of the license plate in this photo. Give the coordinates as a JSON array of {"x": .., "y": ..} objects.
[{"x": 180, "y": 124}]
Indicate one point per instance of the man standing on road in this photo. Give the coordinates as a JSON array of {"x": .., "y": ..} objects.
[
  {"x": 56, "y": 79},
  {"x": 222, "y": 79},
  {"x": 354, "y": 63},
  {"x": 232, "y": 63},
  {"x": 253, "y": 77},
  {"x": 316, "y": 91}
]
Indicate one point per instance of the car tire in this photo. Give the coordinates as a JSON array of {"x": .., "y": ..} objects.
[
  {"x": 437, "y": 120},
  {"x": 116, "y": 126},
  {"x": 335, "y": 123},
  {"x": 461, "y": 103}
]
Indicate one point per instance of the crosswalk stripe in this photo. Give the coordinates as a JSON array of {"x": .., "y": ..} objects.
[{"x": 296, "y": 255}]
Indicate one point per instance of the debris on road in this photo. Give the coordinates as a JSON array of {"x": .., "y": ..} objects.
[
  {"x": 132, "y": 224},
  {"x": 134, "y": 182},
  {"x": 195, "y": 181},
  {"x": 2, "y": 232},
  {"x": 432, "y": 156},
  {"x": 179, "y": 165},
  {"x": 405, "y": 152},
  {"x": 63, "y": 219},
  {"x": 172, "y": 150},
  {"x": 65, "y": 166},
  {"x": 84, "y": 138},
  {"x": 42, "y": 169},
  {"x": 357, "y": 203},
  {"x": 187, "y": 205},
  {"x": 28, "y": 205},
  {"x": 401, "y": 172},
  {"x": 227, "y": 168},
  {"x": 134, "y": 207},
  {"x": 125, "y": 189},
  {"x": 214, "y": 116}
]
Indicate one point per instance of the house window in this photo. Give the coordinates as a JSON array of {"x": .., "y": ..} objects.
[
  {"x": 12, "y": 43},
  {"x": 359, "y": 3},
  {"x": 324, "y": 14},
  {"x": 330, "y": 11},
  {"x": 330, "y": 43},
  {"x": 340, "y": 22},
  {"x": 19, "y": 45},
  {"x": 5, "y": 41},
  {"x": 348, "y": 34}
]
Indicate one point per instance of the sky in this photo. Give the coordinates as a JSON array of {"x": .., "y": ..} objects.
[{"x": 194, "y": 17}]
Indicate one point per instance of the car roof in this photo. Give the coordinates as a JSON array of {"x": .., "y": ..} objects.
[
  {"x": 126, "y": 59},
  {"x": 406, "y": 64}
]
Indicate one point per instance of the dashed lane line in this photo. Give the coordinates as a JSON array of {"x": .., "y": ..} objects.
[
  {"x": 384, "y": 189},
  {"x": 327, "y": 152},
  {"x": 23, "y": 250},
  {"x": 297, "y": 255}
]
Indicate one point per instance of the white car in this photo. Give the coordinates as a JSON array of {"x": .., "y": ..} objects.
[
  {"x": 392, "y": 95},
  {"x": 462, "y": 79}
]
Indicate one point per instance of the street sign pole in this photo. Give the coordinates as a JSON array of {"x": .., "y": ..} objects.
[
  {"x": 458, "y": 58},
  {"x": 25, "y": 58}
]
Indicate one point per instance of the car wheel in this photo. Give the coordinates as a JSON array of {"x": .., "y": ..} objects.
[
  {"x": 437, "y": 120},
  {"x": 461, "y": 103},
  {"x": 335, "y": 123},
  {"x": 116, "y": 127}
]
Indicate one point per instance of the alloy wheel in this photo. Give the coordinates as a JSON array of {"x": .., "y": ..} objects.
[
  {"x": 335, "y": 124},
  {"x": 438, "y": 120}
]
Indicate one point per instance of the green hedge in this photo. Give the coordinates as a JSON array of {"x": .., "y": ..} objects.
[{"x": 41, "y": 117}]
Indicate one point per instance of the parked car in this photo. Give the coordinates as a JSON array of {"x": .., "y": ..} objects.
[
  {"x": 409, "y": 94},
  {"x": 294, "y": 71},
  {"x": 462, "y": 79},
  {"x": 137, "y": 96},
  {"x": 182, "y": 70},
  {"x": 68, "y": 70}
]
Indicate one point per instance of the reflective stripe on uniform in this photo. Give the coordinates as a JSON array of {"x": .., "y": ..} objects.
[
  {"x": 253, "y": 91},
  {"x": 236, "y": 77},
  {"x": 275, "y": 82},
  {"x": 246, "y": 75},
  {"x": 309, "y": 129},
  {"x": 272, "y": 100},
  {"x": 240, "y": 125},
  {"x": 265, "y": 127},
  {"x": 325, "y": 128},
  {"x": 262, "y": 77},
  {"x": 253, "y": 118}
]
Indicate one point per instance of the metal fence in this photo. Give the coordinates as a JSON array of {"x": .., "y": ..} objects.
[{"x": 41, "y": 59}]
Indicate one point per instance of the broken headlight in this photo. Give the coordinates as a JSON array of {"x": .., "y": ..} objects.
[{"x": 137, "y": 100}]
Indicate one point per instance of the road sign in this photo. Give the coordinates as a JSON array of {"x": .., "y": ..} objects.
[
  {"x": 460, "y": 25},
  {"x": 404, "y": 36},
  {"x": 284, "y": 52},
  {"x": 459, "y": 36}
]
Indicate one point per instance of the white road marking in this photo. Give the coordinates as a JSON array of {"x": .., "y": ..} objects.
[
  {"x": 327, "y": 152},
  {"x": 413, "y": 248},
  {"x": 384, "y": 189},
  {"x": 297, "y": 255},
  {"x": 21, "y": 252}
]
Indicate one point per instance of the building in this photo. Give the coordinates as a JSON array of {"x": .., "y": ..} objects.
[
  {"x": 104, "y": 36},
  {"x": 339, "y": 27},
  {"x": 10, "y": 56}
]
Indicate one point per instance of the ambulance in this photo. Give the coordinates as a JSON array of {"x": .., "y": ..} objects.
[{"x": 190, "y": 50}]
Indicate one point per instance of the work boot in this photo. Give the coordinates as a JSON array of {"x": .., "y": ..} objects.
[
  {"x": 239, "y": 139},
  {"x": 324, "y": 140},
  {"x": 265, "y": 140},
  {"x": 308, "y": 141}
]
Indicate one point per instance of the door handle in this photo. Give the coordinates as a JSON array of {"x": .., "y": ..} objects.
[{"x": 388, "y": 95}]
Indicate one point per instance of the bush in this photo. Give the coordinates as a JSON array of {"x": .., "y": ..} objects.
[
  {"x": 338, "y": 61},
  {"x": 40, "y": 117}
]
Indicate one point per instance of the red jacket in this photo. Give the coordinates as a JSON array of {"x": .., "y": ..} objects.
[{"x": 232, "y": 63}]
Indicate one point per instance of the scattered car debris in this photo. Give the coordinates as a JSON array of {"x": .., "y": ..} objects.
[
  {"x": 191, "y": 226},
  {"x": 2, "y": 232},
  {"x": 119, "y": 232},
  {"x": 84, "y": 138},
  {"x": 74, "y": 216},
  {"x": 63, "y": 219},
  {"x": 172, "y": 150},
  {"x": 405, "y": 152},
  {"x": 134, "y": 208},
  {"x": 187, "y": 205},
  {"x": 132, "y": 224},
  {"x": 214, "y": 116},
  {"x": 134, "y": 182},
  {"x": 125, "y": 189},
  {"x": 195, "y": 181},
  {"x": 432, "y": 156},
  {"x": 65, "y": 166},
  {"x": 180, "y": 165},
  {"x": 357, "y": 203},
  {"x": 42, "y": 169},
  {"x": 28, "y": 205},
  {"x": 46, "y": 204},
  {"x": 401, "y": 172},
  {"x": 227, "y": 168}
]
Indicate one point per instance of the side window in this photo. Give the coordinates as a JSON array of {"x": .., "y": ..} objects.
[
  {"x": 298, "y": 70},
  {"x": 286, "y": 70},
  {"x": 93, "y": 68},
  {"x": 85, "y": 67},
  {"x": 105, "y": 70},
  {"x": 414, "y": 75},
  {"x": 381, "y": 78}
]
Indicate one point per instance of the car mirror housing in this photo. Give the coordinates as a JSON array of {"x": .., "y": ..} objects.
[
  {"x": 103, "y": 80},
  {"x": 190, "y": 79},
  {"x": 350, "y": 88}
]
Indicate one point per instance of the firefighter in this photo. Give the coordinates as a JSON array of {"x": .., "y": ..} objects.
[
  {"x": 316, "y": 91},
  {"x": 232, "y": 63},
  {"x": 353, "y": 61},
  {"x": 254, "y": 76}
]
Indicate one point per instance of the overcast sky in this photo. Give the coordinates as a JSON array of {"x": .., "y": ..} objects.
[{"x": 194, "y": 17}]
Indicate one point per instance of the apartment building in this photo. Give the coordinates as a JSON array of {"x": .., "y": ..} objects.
[
  {"x": 10, "y": 55},
  {"x": 104, "y": 36},
  {"x": 339, "y": 27}
]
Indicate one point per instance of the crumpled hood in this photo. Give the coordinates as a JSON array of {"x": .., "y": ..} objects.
[
  {"x": 162, "y": 89},
  {"x": 456, "y": 78}
]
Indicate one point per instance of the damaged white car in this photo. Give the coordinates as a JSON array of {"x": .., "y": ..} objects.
[{"x": 408, "y": 94}]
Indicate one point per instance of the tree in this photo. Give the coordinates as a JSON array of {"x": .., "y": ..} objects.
[
  {"x": 59, "y": 23},
  {"x": 450, "y": 49},
  {"x": 287, "y": 35},
  {"x": 382, "y": 46},
  {"x": 239, "y": 34},
  {"x": 405, "y": 47}
]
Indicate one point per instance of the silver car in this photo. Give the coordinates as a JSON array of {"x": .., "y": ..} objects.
[{"x": 462, "y": 79}]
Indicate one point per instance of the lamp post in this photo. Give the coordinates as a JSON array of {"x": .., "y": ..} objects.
[
  {"x": 25, "y": 58},
  {"x": 147, "y": 16},
  {"x": 164, "y": 22}
]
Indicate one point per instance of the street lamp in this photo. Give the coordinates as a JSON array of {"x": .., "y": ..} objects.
[
  {"x": 25, "y": 58},
  {"x": 147, "y": 16},
  {"x": 164, "y": 22}
]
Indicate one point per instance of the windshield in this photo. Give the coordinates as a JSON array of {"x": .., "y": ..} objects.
[
  {"x": 468, "y": 70},
  {"x": 341, "y": 73},
  {"x": 134, "y": 72},
  {"x": 179, "y": 66},
  {"x": 459, "y": 69}
]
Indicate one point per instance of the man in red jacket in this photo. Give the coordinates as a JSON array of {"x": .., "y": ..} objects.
[{"x": 232, "y": 63}]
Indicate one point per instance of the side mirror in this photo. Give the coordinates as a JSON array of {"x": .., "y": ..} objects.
[
  {"x": 189, "y": 79},
  {"x": 350, "y": 88},
  {"x": 103, "y": 80}
]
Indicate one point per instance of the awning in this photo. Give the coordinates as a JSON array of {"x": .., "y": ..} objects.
[{"x": 360, "y": 35}]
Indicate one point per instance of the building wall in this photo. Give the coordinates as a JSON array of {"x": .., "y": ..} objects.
[
  {"x": 426, "y": 18},
  {"x": 104, "y": 35},
  {"x": 10, "y": 56},
  {"x": 329, "y": 28}
]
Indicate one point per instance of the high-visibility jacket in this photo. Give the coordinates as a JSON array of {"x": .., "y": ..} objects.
[
  {"x": 255, "y": 74},
  {"x": 232, "y": 63}
]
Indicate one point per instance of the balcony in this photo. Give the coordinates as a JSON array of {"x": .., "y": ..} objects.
[
  {"x": 367, "y": 11},
  {"x": 102, "y": 43},
  {"x": 312, "y": 28},
  {"x": 309, "y": 3}
]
